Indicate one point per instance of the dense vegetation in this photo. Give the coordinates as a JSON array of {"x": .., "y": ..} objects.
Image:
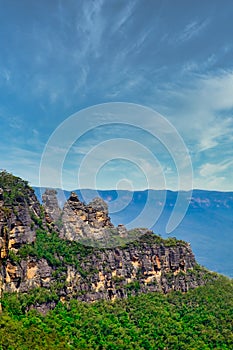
[
  {"x": 57, "y": 251},
  {"x": 199, "y": 319},
  {"x": 14, "y": 188}
]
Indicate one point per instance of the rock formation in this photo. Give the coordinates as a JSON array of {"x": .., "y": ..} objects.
[
  {"x": 20, "y": 214},
  {"x": 80, "y": 221},
  {"x": 35, "y": 252},
  {"x": 51, "y": 207}
]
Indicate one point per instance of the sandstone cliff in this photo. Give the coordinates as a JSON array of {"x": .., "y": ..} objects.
[
  {"x": 41, "y": 248},
  {"x": 20, "y": 214}
]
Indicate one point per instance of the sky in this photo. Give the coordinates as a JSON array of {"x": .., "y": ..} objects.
[{"x": 60, "y": 58}]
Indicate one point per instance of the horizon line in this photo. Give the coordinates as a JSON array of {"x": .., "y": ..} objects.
[{"x": 136, "y": 190}]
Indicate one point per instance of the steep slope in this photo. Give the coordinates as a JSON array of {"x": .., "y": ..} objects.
[
  {"x": 19, "y": 214},
  {"x": 77, "y": 253}
]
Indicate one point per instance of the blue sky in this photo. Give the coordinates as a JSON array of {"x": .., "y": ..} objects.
[{"x": 176, "y": 57}]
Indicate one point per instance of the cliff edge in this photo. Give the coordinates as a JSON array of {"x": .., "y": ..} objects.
[{"x": 76, "y": 252}]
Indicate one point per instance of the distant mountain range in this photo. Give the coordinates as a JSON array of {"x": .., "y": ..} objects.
[{"x": 207, "y": 224}]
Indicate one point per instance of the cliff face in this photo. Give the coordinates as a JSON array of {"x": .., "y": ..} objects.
[
  {"x": 84, "y": 221},
  {"x": 51, "y": 207},
  {"x": 108, "y": 273},
  {"x": 136, "y": 268},
  {"x": 41, "y": 248},
  {"x": 20, "y": 214}
]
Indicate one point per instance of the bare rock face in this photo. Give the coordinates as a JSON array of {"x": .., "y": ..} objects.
[
  {"x": 74, "y": 219},
  {"x": 98, "y": 213},
  {"x": 22, "y": 277},
  {"x": 122, "y": 231},
  {"x": 50, "y": 203},
  {"x": 137, "y": 268},
  {"x": 20, "y": 215},
  {"x": 81, "y": 221}
]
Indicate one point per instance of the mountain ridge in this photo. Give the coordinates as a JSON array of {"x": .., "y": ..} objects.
[{"x": 61, "y": 255}]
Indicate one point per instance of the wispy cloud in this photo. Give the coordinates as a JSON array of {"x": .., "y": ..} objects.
[
  {"x": 191, "y": 30},
  {"x": 199, "y": 117},
  {"x": 5, "y": 75},
  {"x": 123, "y": 17},
  {"x": 21, "y": 162},
  {"x": 209, "y": 169}
]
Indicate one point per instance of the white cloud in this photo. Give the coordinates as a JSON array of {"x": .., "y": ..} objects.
[
  {"x": 202, "y": 112},
  {"x": 197, "y": 110},
  {"x": 21, "y": 162},
  {"x": 209, "y": 169},
  {"x": 213, "y": 134}
]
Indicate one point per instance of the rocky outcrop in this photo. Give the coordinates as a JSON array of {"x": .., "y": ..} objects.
[
  {"x": 98, "y": 214},
  {"x": 144, "y": 267},
  {"x": 20, "y": 216},
  {"x": 30, "y": 273},
  {"x": 51, "y": 207},
  {"x": 41, "y": 248},
  {"x": 80, "y": 221}
]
